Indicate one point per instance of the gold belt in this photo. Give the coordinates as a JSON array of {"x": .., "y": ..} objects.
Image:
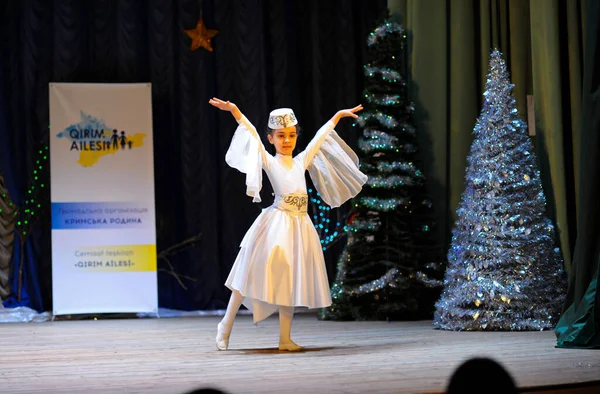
[{"x": 293, "y": 203}]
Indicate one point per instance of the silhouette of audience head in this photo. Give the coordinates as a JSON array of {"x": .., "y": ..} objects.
[
  {"x": 477, "y": 375},
  {"x": 481, "y": 375},
  {"x": 206, "y": 390}
]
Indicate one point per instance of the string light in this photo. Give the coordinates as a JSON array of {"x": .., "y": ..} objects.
[
  {"x": 31, "y": 206},
  {"x": 329, "y": 230}
]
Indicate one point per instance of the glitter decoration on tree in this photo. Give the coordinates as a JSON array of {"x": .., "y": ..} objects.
[
  {"x": 390, "y": 268},
  {"x": 504, "y": 269}
]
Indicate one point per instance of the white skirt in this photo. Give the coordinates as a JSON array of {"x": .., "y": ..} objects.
[{"x": 280, "y": 263}]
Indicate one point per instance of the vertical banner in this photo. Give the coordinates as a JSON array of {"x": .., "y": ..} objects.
[{"x": 102, "y": 193}]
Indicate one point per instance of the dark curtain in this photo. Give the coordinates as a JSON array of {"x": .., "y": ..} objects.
[
  {"x": 553, "y": 54},
  {"x": 579, "y": 325},
  {"x": 541, "y": 40},
  {"x": 302, "y": 54}
]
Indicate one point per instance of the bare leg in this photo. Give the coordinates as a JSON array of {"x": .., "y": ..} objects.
[
  {"x": 225, "y": 326},
  {"x": 286, "y": 314}
]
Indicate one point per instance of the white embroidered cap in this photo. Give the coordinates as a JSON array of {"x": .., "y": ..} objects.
[{"x": 281, "y": 118}]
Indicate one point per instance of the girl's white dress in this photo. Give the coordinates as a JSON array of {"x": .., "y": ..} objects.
[{"x": 280, "y": 262}]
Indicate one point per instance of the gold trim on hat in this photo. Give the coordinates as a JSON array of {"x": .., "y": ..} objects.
[{"x": 282, "y": 121}]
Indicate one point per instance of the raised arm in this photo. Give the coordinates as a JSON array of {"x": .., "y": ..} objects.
[
  {"x": 242, "y": 120},
  {"x": 315, "y": 144}
]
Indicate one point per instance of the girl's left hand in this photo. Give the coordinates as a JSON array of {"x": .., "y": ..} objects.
[{"x": 349, "y": 112}]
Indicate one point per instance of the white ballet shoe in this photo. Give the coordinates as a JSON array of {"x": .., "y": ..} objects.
[
  {"x": 222, "y": 340},
  {"x": 289, "y": 346}
]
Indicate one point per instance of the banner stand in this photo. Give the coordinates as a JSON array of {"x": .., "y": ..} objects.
[{"x": 104, "y": 256}]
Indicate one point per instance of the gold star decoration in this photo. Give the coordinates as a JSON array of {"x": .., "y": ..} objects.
[{"x": 201, "y": 36}]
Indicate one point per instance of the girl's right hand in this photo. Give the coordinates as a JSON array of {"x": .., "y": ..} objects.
[
  {"x": 222, "y": 105},
  {"x": 226, "y": 106}
]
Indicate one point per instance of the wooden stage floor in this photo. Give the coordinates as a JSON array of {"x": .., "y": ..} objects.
[{"x": 175, "y": 355}]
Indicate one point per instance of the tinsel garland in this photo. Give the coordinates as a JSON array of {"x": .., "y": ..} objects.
[
  {"x": 505, "y": 271},
  {"x": 387, "y": 121},
  {"x": 384, "y": 30},
  {"x": 385, "y": 74}
]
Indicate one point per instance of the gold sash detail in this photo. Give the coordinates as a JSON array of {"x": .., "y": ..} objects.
[{"x": 294, "y": 203}]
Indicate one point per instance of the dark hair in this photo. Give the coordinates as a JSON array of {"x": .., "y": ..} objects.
[{"x": 476, "y": 374}]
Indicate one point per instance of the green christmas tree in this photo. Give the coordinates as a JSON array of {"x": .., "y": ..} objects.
[
  {"x": 504, "y": 269},
  {"x": 390, "y": 263}
]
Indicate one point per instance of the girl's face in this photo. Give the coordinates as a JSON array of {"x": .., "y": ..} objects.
[{"x": 284, "y": 140}]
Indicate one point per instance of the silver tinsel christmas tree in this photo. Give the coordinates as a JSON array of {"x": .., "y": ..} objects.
[
  {"x": 390, "y": 267},
  {"x": 504, "y": 271}
]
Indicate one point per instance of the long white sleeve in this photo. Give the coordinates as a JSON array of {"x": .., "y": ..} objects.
[
  {"x": 247, "y": 154},
  {"x": 334, "y": 171},
  {"x": 315, "y": 144}
]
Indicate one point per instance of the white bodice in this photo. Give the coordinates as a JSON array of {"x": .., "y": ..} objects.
[{"x": 332, "y": 165}]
